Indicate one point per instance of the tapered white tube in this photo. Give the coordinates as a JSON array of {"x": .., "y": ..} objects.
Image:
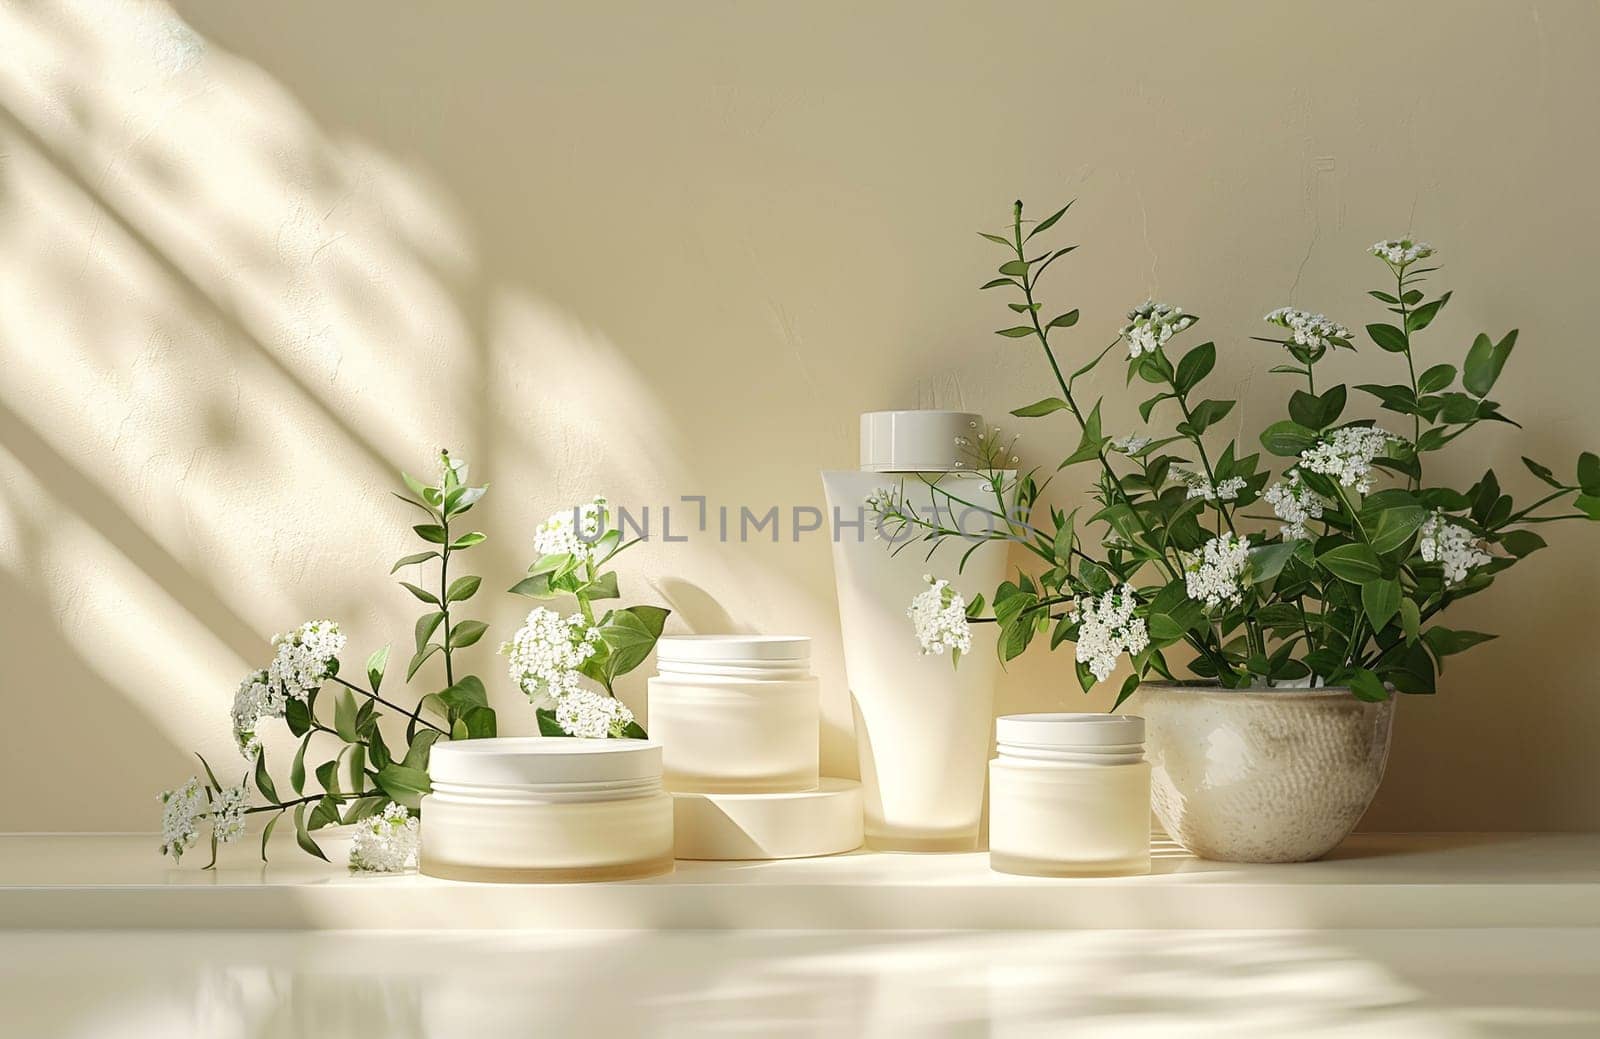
[{"x": 922, "y": 726}]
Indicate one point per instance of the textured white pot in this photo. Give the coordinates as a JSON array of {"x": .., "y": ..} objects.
[{"x": 1262, "y": 775}]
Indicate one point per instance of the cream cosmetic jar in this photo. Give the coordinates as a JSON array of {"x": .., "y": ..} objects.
[
  {"x": 735, "y": 713},
  {"x": 536, "y": 809},
  {"x": 1069, "y": 796}
]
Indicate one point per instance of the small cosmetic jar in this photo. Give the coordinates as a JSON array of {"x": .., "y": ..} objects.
[
  {"x": 541, "y": 809},
  {"x": 1069, "y": 796},
  {"x": 735, "y": 713}
]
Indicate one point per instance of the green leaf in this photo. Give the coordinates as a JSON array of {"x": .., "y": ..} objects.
[
  {"x": 430, "y": 532},
  {"x": 1589, "y": 473},
  {"x": 1015, "y": 332},
  {"x": 468, "y": 692},
  {"x": 1388, "y": 337},
  {"x": 1436, "y": 378},
  {"x": 1040, "y": 408},
  {"x": 1015, "y": 269},
  {"x": 1521, "y": 542},
  {"x": 1066, "y": 320},
  {"x": 466, "y": 633},
  {"x": 421, "y": 747},
  {"x": 1048, "y": 222},
  {"x": 1445, "y": 642},
  {"x": 1484, "y": 362},
  {"x": 263, "y": 780},
  {"x": 1129, "y": 684},
  {"x": 302, "y": 836},
  {"x": 1423, "y": 316},
  {"x": 427, "y": 624},
  {"x": 419, "y": 557},
  {"x": 997, "y": 239},
  {"x": 630, "y": 635},
  {"x": 467, "y": 540},
  {"x": 298, "y": 714},
  {"x": 1381, "y": 600},
  {"x": 210, "y": 775},
  {"x": 1589, "y": 505},
  {"x": 420, "y": 657},
  {"x": 1195, "y": 366},
  {"x": 1207, "y": 414},
  {"x": 403, "y": 784},
  {"x": 1410, "y": 621},
  {"x": 1287, "y": 439},
  {"x": 1351, "y": 562},
  {"x": 1367, "y": 686},
  {"x": 480, "y": 723},
  {"x": 462, "y": 588},
  {"x": 266, "y": 833},
  {"x": 997, "y": 282},
  {"x": 1543, "y": 472},
  {"x": 1388, "y": 528},
  {"x": 375, "y": 668},
  {"x": 548, "y": 726},
  {"x": 535, "y": 587},
  {"x": 421, "y": 593},
  {"x": 1266, "y": 561},
  {"x": 344, "y": 716},
  {"x": 326, "y": 813},
  {"x": 297, "y": 770}
]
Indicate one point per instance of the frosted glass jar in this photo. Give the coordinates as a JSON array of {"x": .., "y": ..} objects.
[
  {"x": 1069, "y": 796},
  {"x": 735, "y": 713},
  {"x": 538, "y": 809}
]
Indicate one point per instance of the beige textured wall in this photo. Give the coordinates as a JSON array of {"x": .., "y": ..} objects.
[{"x": 255, "y": 256}]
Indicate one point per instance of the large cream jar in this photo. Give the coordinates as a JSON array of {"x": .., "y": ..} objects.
[
  {"x": 535, "y": 809},
  {"x": 1069, "y": 796},
  {"x": 735, "y": 713}
]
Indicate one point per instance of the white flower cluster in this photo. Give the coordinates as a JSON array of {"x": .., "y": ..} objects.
[
  {"x": 1200, "y": 487},
  {"x": 1216, "y": 575},
  {"x": 253, "y": 700},
  {"x": 1347, "y": 455},
  {"x": 1131, "y": 444},
  {"x": 1400, "y": 252},
  {"x": 1451, "y": 546},
  {"x": 385, "y": 843},
  {"x": 1151, "y": 324},
  {"x": 575, "y": 531},
  {"x": 547, "y": 651},
  {"x": 939, "y": 618},
  {"x": 304, "y": 658},
  {"x": 1294, "y": 503},
  {"x": 227, "y": 813},
  {"x": 183, "y": 808},
  {"x": 181, "y": 811},
  {"x": 593, "y": 715},
  {"x": 1308, "y": 329},
  {"x": 1107, "y": 628}
]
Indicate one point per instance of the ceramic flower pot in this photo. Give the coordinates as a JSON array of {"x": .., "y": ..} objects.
[{"x": 1262, "y": 775}]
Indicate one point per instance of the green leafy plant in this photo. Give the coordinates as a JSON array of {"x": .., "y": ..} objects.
[
  {"x": 344, "y": 770},
  {"x": 551, "y": 653},
  {"x": 1179, "y": 575}
]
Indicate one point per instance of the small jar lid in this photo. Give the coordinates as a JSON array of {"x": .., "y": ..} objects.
[
  {"x": 543, "y": 761},
  {"x": 922, "y": 441},
  {"x": 734, "y": 649},
  {"x": 1070, "y": 731}
]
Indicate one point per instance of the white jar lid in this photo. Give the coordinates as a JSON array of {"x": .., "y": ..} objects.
[
  {"x": 1070, "y": 731},
  {"x": 915, "y": 441},
  {"x": 543, "y": 761},
  {"x": 734, "y": 649}
]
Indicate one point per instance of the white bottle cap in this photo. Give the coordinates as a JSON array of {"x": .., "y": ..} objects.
[{"x": 915, "y": 441}]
